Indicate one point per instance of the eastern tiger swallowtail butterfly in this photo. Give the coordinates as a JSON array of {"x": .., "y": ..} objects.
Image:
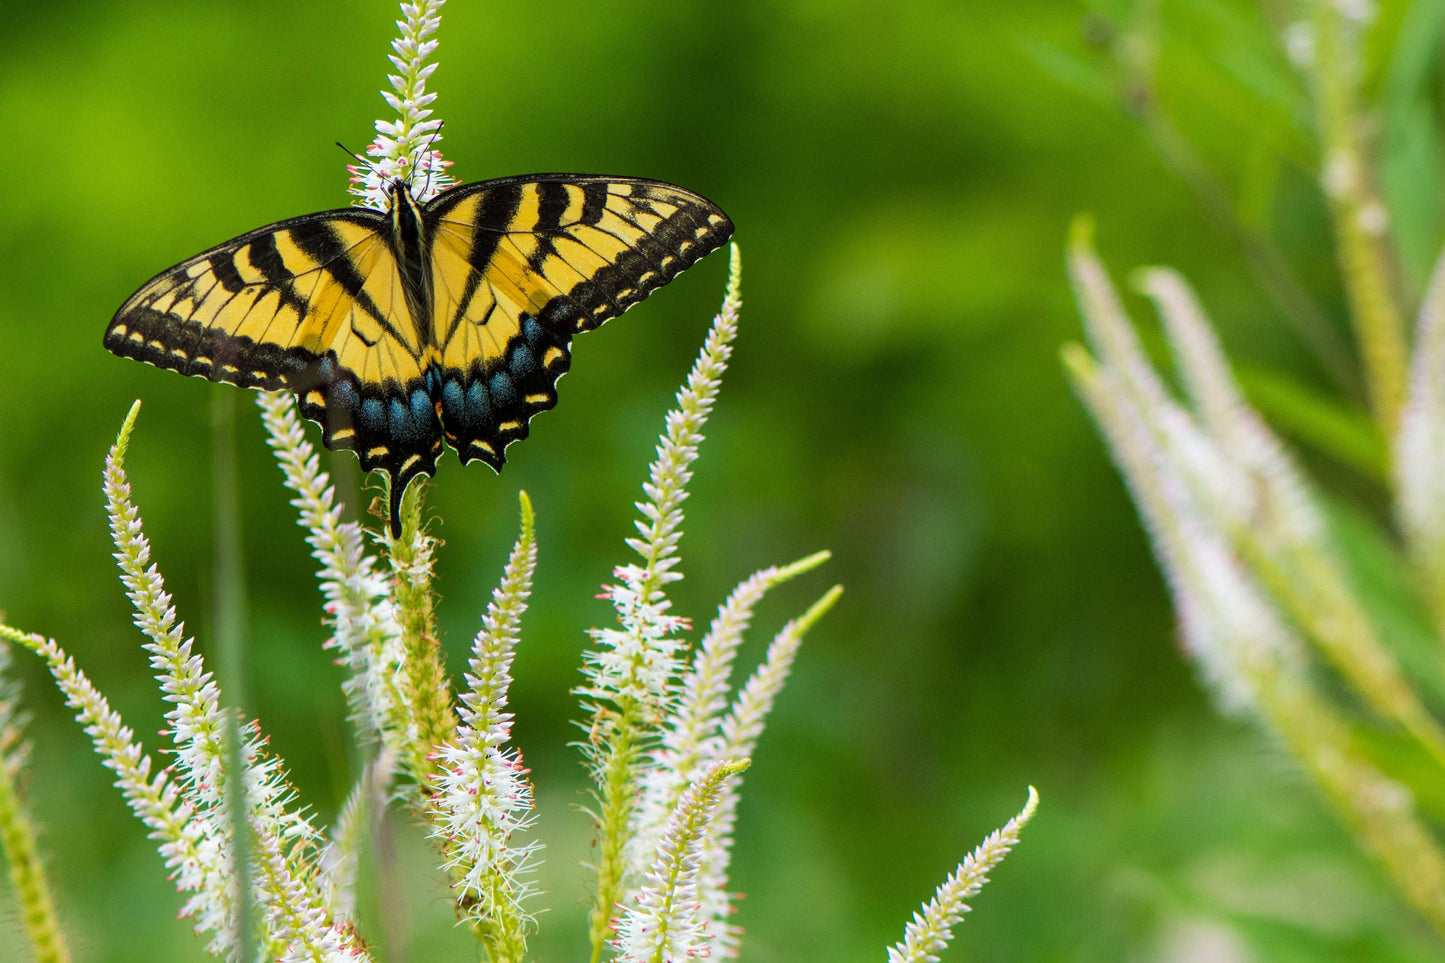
[{"x": 449, "y": 319}]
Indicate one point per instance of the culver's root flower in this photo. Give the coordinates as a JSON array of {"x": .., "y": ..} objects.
[
  {"x": 1257, "y": 582},
  {"x": 689, "y": 734},
  {"x": 481, "y": 795},
  {"x": 190, "y": 843},
  {"x": 293, "y": 915},
  {"x": 663, "y": 922},
  {"x": 670, "y": 732},
  {"x": 932, "y": 927},
  {"x": 404, "y": 147},
  {"x": 358, "y": 605}
]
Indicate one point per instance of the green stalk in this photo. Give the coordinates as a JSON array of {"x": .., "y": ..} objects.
[
  {"x": 1312, "y": 591},
  {"x": 427, "y": 687},
  {"x": 1357, "y": 215},
  {"x": 230, "y": 634},
  {"x": 27, "y": 874},
  {"x": 618, "y": 772},
  {"x": 1378, "y": 812}
]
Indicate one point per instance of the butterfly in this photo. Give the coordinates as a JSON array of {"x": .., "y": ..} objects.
[{"x": 449, "y": 319}]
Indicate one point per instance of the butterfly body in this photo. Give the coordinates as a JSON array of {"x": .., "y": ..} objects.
[{"x": 444, "y": 321}]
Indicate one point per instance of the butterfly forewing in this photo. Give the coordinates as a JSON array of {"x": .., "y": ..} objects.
[
  {"x": 319, "y": 305},
  {"x": 314, "y": 304}
]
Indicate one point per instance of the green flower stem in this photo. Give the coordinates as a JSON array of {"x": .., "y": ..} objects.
[
  {"x": 428, "y": 689},
  {"x": 230, "y": 635},
  {"x": 27, "y": 873},
  {"x": 1380, "y": 813},
  {"x": 618, "y": 771},
  {"x": 1357, "y": 215},
  {"x": 1312, "y": 591}
]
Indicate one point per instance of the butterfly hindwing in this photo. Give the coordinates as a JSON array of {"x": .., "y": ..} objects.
[
  {"x": 314, "y": 304},
  {"x": 464, "y": 337},
  {"x": 520, "y": 265}
]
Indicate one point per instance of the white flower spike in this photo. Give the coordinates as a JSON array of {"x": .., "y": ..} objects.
[
  {"x": 932, "y": 927},
  {"x": 405, "y": 148}
]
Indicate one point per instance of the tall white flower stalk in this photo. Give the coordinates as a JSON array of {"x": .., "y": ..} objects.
[
  {"x": 187, "y": 811},
  {"x": 1257, "y": 581},
  {"x": 931, "y": 928},
  {"x": 358, "y": 605},
  {"x": 662, "y": 923},
  {"x": 631, "y": 672},
  {"x": 190, "y": 843},
  {"x": 481, "y": 795},
  {"x": 404, "y": 148},
  {"x": 690, "y": 741}
]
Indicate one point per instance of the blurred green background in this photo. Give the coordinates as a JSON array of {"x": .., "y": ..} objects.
[{"x": 902, "y": 177}]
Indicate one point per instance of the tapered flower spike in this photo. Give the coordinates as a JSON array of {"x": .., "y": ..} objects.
[
  {"x": 1420, "y": 448},
  {"x": 738, "y": 734},
  {"x": 481, "y": 796},
  {"x": 1110, "y": 333},
  {"x": 931, "y": 929},
  {"x": 358, "y": 605},
  {"x": 664, "y": 924},
  {"x": 636, "y": 664},
  {"x": 294, "y": 918},
  {"x": 1259, "y": 498},
  {"x": 1262, "y": 481},
  {"x": 1225, "y": 621},
  {"x": 196, "y": 719},
  {"x": 632, "y": 672},
  {"x": 1230, "y": 624},
  {"x": 17, "y": 832},
  {"x": 404, "y": 148},
  {"x": 688, "y": 734},
  {"x": 190, "y": 843}
]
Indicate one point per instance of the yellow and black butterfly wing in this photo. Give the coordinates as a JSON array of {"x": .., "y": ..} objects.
[
  {"x": 520, "y": 265},
  {"x": 314, "y": 304}
]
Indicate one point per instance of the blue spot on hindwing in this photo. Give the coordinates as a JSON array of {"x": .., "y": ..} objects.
[
  {"x": 371, "y": 417},
  {"x": 522, "y": 363},
  {"x": 401, "y": 425},
  {"x": 343, "y": 394},
  {"x": 421, "y": 407},
  {"x": 479, "y": 406},
  {"x": 452, "y": 399},
  {"x": 502, "y": 391}
]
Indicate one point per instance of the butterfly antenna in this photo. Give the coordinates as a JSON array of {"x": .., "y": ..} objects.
[{"x": 365, "y": 161}]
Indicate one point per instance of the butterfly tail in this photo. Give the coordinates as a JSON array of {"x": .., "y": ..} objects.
[{"x": 397, "y": 489}]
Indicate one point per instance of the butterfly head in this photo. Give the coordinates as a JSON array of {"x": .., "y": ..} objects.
[{"x": 397, "y": 190}]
